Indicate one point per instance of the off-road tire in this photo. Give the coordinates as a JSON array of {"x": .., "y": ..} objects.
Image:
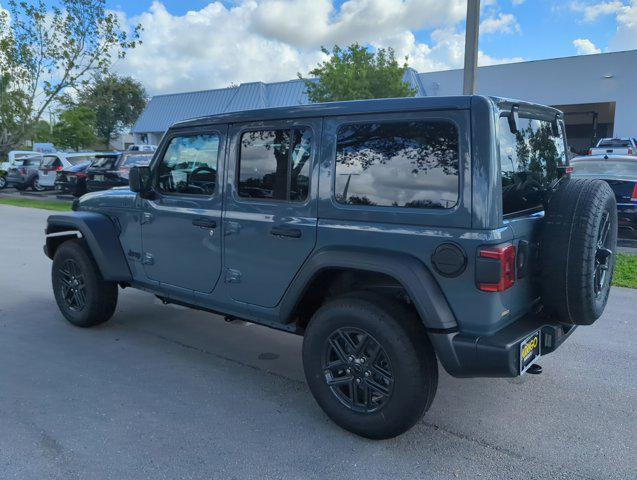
[
  {"x": 570, "y": 251},
  {"x": 100, "y": 296},
  {"x": 400, "y": 333}
]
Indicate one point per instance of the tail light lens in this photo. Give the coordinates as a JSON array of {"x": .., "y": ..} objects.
[
  {"x": 633, "y": 196},
  {"x": 495, "y": 269},
  {"x": 58, "y": 168},
  {"x": 590, "y": 151},
  {"x": 630, "y": 151},
  {"x": 80, "y": 175}
]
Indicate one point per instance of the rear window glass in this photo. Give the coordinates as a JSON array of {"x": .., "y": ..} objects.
[
  {"x": 136, "y": 160},
  {"x": 275, "y": 164},
  {"x": 79, "y": 159},
  {"x": 398, "y": 164},
  {"x": 614, "y": 142},
  {"x": 29, "y": 162},
  {"x": 104, "y": 162},
  {"x": 605, "y": 167},
  {"x": 528, "y": 162},
  {"x": 51, "y": 162}
]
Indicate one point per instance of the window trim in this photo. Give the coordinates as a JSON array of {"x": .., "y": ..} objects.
[
  {"x": 237, "y": 176},
  {"x": 398, "y": 208},
  {"x": 157, "y": 160}
]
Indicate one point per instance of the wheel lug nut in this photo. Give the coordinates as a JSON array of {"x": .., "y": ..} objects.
[
  {"x": 367, "y": 374},
  {"x": 348, "y": 371},
  {"x": 358, "y": 380},
  {"x": 350, "y": 358}
]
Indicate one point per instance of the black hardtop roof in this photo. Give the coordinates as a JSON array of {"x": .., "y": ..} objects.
[{"x": 355, "y": 107}]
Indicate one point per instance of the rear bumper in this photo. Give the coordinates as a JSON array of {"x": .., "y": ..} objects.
[
  {"x": 627, "y": 220},
  {"x": 496, "y": 355}
]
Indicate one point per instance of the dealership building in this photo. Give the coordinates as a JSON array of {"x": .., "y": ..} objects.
[{"x": 597, "y": 93}]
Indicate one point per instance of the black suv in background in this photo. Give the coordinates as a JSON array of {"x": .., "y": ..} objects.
[{"x": 111, "y": 169}]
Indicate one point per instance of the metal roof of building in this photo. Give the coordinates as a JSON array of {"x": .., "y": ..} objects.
[{"x": 164, "y": 110}]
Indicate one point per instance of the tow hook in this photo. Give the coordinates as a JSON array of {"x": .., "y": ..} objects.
[{"x": 534, "y": 369}]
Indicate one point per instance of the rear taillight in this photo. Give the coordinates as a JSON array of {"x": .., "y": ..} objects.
[
  {"x": 633, "y": 196},
  {"x": 630, "y": 151},
  {"x": 590, "y": 151},
  {"x": 80, "y": 175},
  {"x": 495, "y": 271},
  {"x": 58, "y": 168}
]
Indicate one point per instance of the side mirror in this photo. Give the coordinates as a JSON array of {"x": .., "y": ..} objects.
[
  {"x": 139, "y": 181},
  {"x": 514, "y": 119}
]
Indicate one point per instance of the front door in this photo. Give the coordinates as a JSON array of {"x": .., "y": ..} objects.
[
  {"x": 181, "y": 225},
  {"x": 270, "y": 219}
]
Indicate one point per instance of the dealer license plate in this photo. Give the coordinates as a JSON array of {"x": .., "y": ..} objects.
[{"x": 529, "y": 351}]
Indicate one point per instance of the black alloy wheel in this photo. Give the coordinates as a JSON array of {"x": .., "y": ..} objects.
[
  {"x": 73, "y": 285},
  {"x": 357, "y": 370},
  {"x": 603, "y": 254}
]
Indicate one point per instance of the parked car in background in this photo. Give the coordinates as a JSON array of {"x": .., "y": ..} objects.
[
  {"x": 110, "y": 170},
  {"x": 142, "y": 148},
  {"x": 23, "y": 172},
  {"x": 56, "y": 162},
  {"x": 72, "y": 180},
  {"x": 14, "y": 155},
  {"x": 620, "y": 172},
  {"x": 615, "y": 146}
]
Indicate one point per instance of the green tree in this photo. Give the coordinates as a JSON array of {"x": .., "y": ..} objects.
[
  {"x": 116, "y": 101},
  {"x": 42, "y": 132},
  {"x": 355, "y": 73},
  {"x": 47, "y": 51},
  {"x": 13, "y": 107},
  {"x": 76, "y": 128}
]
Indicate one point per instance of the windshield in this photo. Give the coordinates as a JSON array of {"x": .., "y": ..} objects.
[
  {"x": 105, "y": 162},
  {"x": 614, "y": 142},
  {"x": 528, "y": 162},
  {"x": 136, "y": 160}
]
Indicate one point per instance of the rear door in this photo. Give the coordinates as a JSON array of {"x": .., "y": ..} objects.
[
  {"x": 181, "y": 225},
  {"x": 48, "y": 170},
  {"x": 270, "y": 214}
]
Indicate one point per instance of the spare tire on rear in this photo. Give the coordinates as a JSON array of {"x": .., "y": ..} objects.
[{"x": 579, "y": 238}]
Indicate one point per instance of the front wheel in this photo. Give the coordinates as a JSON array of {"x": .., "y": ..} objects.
[
  {"x": 82, "y": 295},
  {"x": 3, "y": 182},
  {"x": 370, "y": 365}
]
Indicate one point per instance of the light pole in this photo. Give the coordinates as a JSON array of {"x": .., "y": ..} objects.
[{"x": 471, "y": 47}]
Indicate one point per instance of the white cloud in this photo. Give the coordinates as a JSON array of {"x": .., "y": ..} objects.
[
  {"x": 517, "y": 2},
  {"x": 626, "y": 36},
  {"x": 503, "y": 23},
  {"x": 592, "y": 11},
  {"x": 272, "y": 40},
  {"x": 585, "y": 47}
]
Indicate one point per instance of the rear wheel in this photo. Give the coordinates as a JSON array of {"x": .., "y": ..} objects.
[
  {"x": 82, "y": 295},
  {"x": 3, "y": 182},
  {"x": 35, "y": 185},
  {"x": 370, "y": 365}
]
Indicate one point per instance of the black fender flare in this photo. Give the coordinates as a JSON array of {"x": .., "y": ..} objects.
[
  {"x": 102, "y": 239},
  {"x": 410, "y": 272}
]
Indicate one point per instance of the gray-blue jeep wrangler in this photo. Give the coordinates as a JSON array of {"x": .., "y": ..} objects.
[{"x": 391, "y": 234}]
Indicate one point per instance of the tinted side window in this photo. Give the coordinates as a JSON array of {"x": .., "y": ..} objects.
[
  {"x": 275, "y": 164},
  {"x": 528, "y": 162},
  {"x": 398, "y": 164},
  {"x": 190, "y": 165}
]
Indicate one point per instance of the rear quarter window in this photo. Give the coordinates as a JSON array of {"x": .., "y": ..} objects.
[{"x": 410, "y": 164}]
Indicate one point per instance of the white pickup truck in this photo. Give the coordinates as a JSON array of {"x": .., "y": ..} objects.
[{"x": 615, "y": 146}]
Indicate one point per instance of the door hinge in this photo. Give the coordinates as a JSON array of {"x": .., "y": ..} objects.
[
  {"x": 147, "y": 218},
  {"x": 233, "y": 276},
  {"x": 148, "y": 259}
]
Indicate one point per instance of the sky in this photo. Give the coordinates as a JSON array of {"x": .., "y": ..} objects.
[{"x": 198, "y": 44}]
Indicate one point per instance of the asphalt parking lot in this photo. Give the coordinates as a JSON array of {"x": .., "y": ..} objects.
[{"x": 162, "y": 392}]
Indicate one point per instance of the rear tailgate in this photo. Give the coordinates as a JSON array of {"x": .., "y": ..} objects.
[{"x": 612, "y": 151}]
